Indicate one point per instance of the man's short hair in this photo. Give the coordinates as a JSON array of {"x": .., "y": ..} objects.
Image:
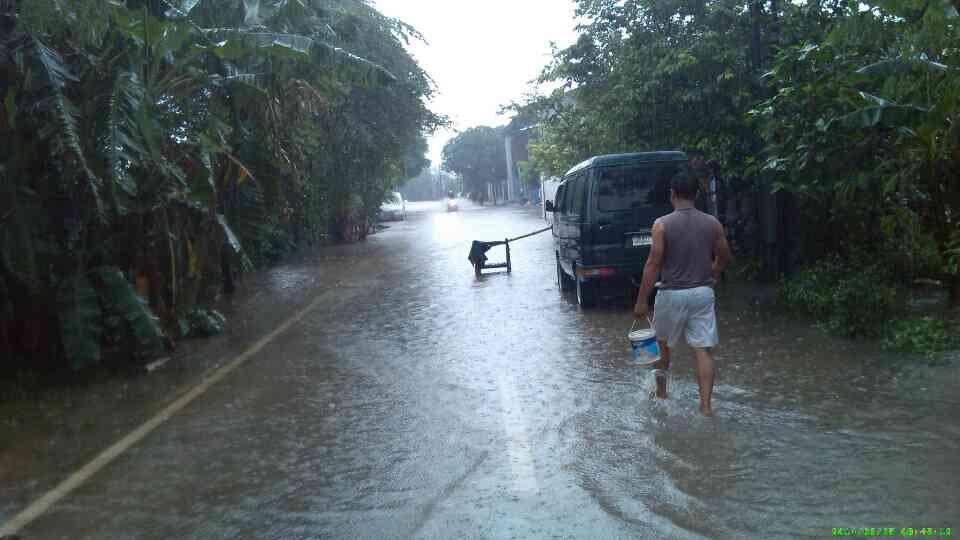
[{"x": 685, "y": 185}]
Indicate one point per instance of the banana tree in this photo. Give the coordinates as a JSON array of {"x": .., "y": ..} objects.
[{"x": 155, "y": 142}]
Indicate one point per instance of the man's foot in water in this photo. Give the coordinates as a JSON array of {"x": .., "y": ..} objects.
[{"x": 661, "y": 391}]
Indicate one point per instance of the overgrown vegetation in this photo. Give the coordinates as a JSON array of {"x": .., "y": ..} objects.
[
  {"x": 744, "y": 268},
  {"x": 921, "y": 335},
  {"x": 861, "y": 300},
  {"x": 203, "y": 321},
  {"x": 153, "y": 149},
  {"x": 864, "y": 127},
  {"x": 845, "y": 299},
  {"x": 845, "y": 113}
]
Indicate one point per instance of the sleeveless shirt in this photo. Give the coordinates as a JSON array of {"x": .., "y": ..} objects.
[{"x": 689, "y": 239}]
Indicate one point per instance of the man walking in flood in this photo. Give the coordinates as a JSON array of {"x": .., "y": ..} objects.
[{"x": 688, "y": 253}]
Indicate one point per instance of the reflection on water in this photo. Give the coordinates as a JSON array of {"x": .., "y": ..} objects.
[
  {"x": 420, "y": 401},
  {"x": 810, "y": 432},
  {"x": 447, "y": 229}
]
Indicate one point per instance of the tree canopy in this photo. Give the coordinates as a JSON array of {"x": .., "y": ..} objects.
[
  {"x": 849, "y": 107},
  {"x": 478, "y": 156}
]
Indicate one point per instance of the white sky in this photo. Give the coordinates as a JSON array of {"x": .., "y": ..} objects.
[{"x": 482, "y": 53}]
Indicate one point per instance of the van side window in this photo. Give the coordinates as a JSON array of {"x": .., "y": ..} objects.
[
  {"x": 558, "y": 198},
  {"x": 578, "y": 195},
  {"x": 565, "y": 202},
  {"x": 568, "y": 194},
  {"x": 575, "y": 196}
]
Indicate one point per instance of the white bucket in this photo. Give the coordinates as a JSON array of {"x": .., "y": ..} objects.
[{"x": 643, "y": 342}]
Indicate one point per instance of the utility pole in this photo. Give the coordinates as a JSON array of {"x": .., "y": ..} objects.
[{"x": 511, "y": 176}]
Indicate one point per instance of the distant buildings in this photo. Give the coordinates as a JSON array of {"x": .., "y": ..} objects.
[{"x": 516, "y": 140}]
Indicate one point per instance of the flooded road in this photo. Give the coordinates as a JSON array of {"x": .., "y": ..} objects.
[{"x": 419, "y": 402}]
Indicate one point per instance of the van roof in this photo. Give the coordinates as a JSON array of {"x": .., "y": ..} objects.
[{"x": 627, "y": 159}]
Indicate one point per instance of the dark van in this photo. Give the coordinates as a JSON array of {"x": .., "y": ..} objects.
[{"x": 602, "y": 216}]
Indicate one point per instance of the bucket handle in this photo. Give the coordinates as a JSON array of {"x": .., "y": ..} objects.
[{"x": 634, "y": 325}]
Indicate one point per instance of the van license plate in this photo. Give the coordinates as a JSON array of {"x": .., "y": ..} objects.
[{"x": 640, "y": 240}]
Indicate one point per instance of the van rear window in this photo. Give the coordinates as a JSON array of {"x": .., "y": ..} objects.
[{"x": 620, "y": 189}]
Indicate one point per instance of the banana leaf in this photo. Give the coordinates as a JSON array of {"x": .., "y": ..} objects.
[
  {"x": 903, "y": 66},
  {"x": 80, "y": 322},
  {"x": 879, "y": 113},
  {"x": 123, "y": 149},
  {"x": 232, "y": 44},
  {"x": 234, "y": 242},
  {"x": 46, "y": 77},
  {"x": 187, "y": 6},
  {"x": 19, "y": 238},
  {"x": 251, "y": 12},
  {"x": 125, "y": 309},
  {"x": 10, "y": 109}
]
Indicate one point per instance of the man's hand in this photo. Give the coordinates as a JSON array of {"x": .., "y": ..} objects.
[{"x": 651, "y": 271}]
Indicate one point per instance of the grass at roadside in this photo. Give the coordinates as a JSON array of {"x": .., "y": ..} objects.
[{"x": 867, "y": 302}]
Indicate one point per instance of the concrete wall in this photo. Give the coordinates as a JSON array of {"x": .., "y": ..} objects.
[
  {"x": 517, "y": 150},
  {"x": 512, "y": 180}
]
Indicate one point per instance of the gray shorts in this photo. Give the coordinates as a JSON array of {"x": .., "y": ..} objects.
[{"x": 686, "y": 312}]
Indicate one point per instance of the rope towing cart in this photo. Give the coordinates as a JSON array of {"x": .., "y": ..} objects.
[{"x": 478, "y": 253}]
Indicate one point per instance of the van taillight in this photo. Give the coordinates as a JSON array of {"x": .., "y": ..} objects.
[{"x": 596, "y": 272}]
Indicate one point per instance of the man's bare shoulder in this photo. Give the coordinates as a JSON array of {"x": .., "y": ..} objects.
[{"x": 712, "y": 219}]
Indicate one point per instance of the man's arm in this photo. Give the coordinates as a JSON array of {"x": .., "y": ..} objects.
[
  {"x": 721, "y": 252},
  {"x": 651, "y": 271}
]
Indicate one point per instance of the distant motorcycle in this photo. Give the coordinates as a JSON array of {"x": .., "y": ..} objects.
[{"x": 452, "y": 205}]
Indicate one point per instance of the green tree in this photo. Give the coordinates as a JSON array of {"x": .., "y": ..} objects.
[
  {"x": 478, "y": 156},
  {"x": 529, "y": 174},
  {"x": 850, "y": 110},
  {"x": 647, "y": 76},
  {"x": 429, "y": 185}
]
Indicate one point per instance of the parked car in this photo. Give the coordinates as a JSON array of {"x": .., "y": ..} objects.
[
  {"x": 394, "y": 208},
  {"x": 602, "y": 216}
]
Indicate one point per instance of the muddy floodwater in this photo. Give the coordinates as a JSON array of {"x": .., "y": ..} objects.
[{"x": 417, "y": 401}]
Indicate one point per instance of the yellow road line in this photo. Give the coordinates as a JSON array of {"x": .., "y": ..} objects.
[{"x": 81, "y": 476}]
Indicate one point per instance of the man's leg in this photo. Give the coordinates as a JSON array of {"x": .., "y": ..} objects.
[
  {"x": 665, "y": 327},
  {"x": 705, "y": 380},
  {"x": 664, "y": 364}
]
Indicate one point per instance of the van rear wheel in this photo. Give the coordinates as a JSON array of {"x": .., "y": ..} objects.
[
  {"x": 563, "y": 280},
  {"x": 586, "y": 293}
]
